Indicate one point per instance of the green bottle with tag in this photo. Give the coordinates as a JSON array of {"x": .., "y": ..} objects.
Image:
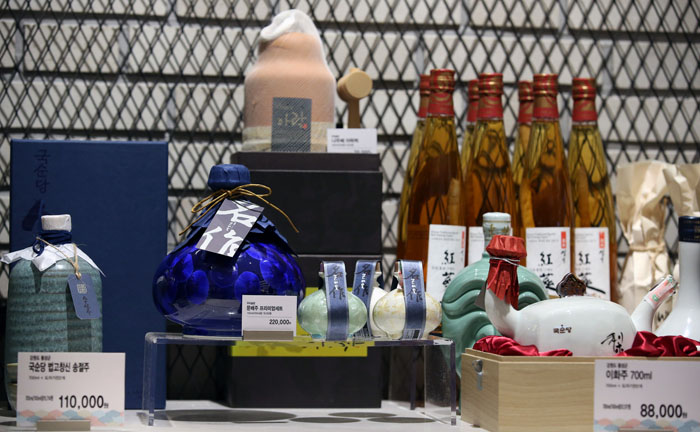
[{"x": 44, "y": 313}]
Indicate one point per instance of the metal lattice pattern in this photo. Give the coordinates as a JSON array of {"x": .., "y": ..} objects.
[{"x": 174, "y": 69}]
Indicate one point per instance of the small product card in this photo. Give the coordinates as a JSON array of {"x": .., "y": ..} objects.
[
  {"x": 352, "y": 140},
  {"x": 446, "y": 249},
  {"x": 592, "y": 260},
  {"x": 263, "y": 313},
  {"x": 549, "y": 254},
  {"x": 229, "y": 227},
  {"x": 70, "y": 386},
  {"x": 84, "y": 297},
  {"x": 642, "y": 394}
]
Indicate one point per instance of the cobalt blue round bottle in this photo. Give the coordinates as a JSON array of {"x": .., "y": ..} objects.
[{"x": 203, "y": 290}]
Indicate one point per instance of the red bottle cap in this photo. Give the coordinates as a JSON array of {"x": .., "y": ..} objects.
[
  {"x": 583, "y": 90},
  {"x": 442, "y": 84},
  {"x": 490, "y": 92},
  {"x": 545, "y": 87},
  {"x": 527, "y": 101}
]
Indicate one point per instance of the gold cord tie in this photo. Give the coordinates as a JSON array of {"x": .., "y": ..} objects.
[
  {"x": 74, "y": 263},
  {"x": 215, "y": 198}
]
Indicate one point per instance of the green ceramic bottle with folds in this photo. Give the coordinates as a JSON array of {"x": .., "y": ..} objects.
[
  {"x": 462, "y": 320},
  {"x": 40, "y": 311}
]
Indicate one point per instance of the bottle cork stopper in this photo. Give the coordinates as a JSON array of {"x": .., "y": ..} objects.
[{"x": 56, "y": 222}]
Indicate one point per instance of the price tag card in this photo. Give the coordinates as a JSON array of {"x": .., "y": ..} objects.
[
  {"x": 70, "y": 386},
  {"x": 263, "y": 313},
  {"x": 352, "y": 140},
  {"x": 642, "y": 395}
]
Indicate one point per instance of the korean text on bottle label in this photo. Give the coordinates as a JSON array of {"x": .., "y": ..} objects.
[
  {"x": 549, "y": 254},
  {"x": 592, "y": 260},
  {"x": 446, "y": 249}
]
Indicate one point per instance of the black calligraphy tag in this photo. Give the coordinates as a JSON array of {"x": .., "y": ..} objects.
[
  {"x": 291, "y": 124},
  {"x": 229, "y": 227},
  {"x": 84, "y": 297}
]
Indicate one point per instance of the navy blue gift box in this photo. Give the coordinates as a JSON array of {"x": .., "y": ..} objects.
[{"x": 117, "y": 196}]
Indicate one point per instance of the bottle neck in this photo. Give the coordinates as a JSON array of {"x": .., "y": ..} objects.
[
  {"x": 584, "y": 111},
  {"x": 689, "y": 291},
  {"x": 472, "y": 110},
  {"x": 545, "y": 108},
  {"x": 490, "y": 107},
  {"x": 440, "y": 104},
  {"x": 525, "y": 112},
  {"x": 423, "y": 108}
]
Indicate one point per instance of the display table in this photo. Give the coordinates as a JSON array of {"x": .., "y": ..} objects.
[
  {"x": 439, "y": 362},
  {"x": 211, "y": 416}
]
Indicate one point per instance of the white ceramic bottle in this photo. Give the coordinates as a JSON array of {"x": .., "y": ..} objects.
[{"x": 684, "y": 320}]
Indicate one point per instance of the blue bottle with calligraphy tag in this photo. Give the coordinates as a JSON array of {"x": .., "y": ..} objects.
[
  {"x": 54, "y": 299},
  {"x": 230, "y": 250}
]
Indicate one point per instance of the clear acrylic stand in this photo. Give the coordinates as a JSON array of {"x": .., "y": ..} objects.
[{"x": 439, "y": 361}]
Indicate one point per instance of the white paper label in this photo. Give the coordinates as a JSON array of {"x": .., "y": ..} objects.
[
  {"x": 352, "y": 140},
  {"x": 70, "y": 386},
  {"x": 476, "y": 244},
  {"x": 446, "y": 249},
  {"x": 269, "y": 313},
  {"x": 549, "y": 254},
  {"x": 644, "y": 394},
  {"x": 592, "y": 260}
]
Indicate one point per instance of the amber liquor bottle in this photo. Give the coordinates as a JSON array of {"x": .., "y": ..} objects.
[
  {"x": 488, "y": 184},
  {"x": 546, "y": 203},
  {"x": 472, "y": 109},
  {"x": 416, "y": 141},
  {"x": 594, "y": 235},
  {"x": 435, "y": 220},
  {"x": 527, "y": 100}
]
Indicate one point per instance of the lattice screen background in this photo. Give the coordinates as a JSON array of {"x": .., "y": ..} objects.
[{"x": 174, "y": 70}]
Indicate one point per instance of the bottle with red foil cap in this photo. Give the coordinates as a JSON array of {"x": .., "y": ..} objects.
[
  {"x": 546, "y": 204},
  {"x": 424, "y": 90},
  {"x": 594, "y": 214},
  {"x": 488, "y": 184},
  {"x": 526, "y": 97},
  {"x": 472, "y": 109},
  {"x": 435, "y": 232}
]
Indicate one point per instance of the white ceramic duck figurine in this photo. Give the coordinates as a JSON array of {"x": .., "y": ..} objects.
[{"x": 586, "y": 326}]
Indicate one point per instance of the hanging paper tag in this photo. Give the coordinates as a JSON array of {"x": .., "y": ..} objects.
[
  {"x": 414, "y": 299},
  {"x": 592, "y": 260},
  {"x": 229, "y": 227},
  {"x": 84, "y": 297},
  {"x": 362, "y": 287},
  {"x": 336, "y": 300}
]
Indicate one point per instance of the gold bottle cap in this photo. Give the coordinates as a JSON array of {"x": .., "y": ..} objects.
[
  {"x": 490, "y": 84},
  {"x": 473, "y": 89},
  {"x": 442, "y": 80},
  {"x": 545, "y": 84},
  {"x": 525, "y": 92},
  {"x": 424, "y": 86},
  {"x": 584, "y": 88}
]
